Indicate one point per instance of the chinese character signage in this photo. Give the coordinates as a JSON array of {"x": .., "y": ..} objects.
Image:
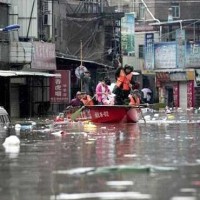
[
  {"x": 103, "y": 114},
  {"x": 193, "y": 55},
  {"x": 178, "y": 76},
  {"x": 165, "y": 55},
  {"x": 60, "y": 87},
  {"x": 128, "y": 29},
  {"x": 180, "y": 48},
  {"x": 44, "y": 56},
  {"x": 149, "y": 51}
]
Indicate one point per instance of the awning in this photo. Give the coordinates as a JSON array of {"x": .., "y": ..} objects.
[
  {"x": 173, "y": 70},
  {"x": 11, "y": 73},
  {"x": 84, "y": 61},
  {"x": 190, "y": 21}
]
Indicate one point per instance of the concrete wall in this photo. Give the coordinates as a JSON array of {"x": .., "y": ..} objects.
[{"x": 25, "y": 14}]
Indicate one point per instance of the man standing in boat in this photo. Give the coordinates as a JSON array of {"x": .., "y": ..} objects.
[{"x": 124, "y": 83}]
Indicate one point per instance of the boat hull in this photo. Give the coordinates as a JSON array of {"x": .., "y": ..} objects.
[{"x": 113, "y": 114}]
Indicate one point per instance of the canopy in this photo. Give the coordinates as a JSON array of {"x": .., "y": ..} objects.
[{"x": 11, "y": 73}]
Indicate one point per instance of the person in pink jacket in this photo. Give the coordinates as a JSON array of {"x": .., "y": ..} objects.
[{"x": 103, "y": 92}]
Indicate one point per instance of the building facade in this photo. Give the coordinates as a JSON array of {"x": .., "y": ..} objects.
[
  {"x": 174, "y": 67},
  {"x": 87, "y": 33},
  {"x": 48, "y": 44},
  {"x": 26, "y": 73}
]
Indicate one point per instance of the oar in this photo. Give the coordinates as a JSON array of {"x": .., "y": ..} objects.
[
  {"x": 157, "y": 106},
  {"x": 78, "y": 112},
  {"x": 142, "y": 114}
]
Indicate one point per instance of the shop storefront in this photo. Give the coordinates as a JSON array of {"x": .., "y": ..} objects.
[
  {"x": 176, "y": 87},
  {"x": 29, "y": 79}
]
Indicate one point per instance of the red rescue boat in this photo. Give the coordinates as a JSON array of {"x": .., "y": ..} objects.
[{"x": 114, "y": 113}]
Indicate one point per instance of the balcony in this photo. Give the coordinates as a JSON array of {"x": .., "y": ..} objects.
[{"x": 21, "y": 52}]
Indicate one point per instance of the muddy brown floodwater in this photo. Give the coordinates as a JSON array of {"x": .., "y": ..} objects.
[{"x": 158, "y": 160}]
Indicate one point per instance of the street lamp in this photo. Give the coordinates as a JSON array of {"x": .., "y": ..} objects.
[{"x": 12, "y": 27}]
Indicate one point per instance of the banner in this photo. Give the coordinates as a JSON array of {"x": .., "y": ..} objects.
[
  {"x": 44, "y": 56},
  {"x": 149, "y": 51},
  {"x": 127, "y": 31}
]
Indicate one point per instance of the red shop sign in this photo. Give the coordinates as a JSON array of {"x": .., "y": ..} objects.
[{"x": 60, "y": 87}]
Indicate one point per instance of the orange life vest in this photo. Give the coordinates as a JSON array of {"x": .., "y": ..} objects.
[
  {"x": 134, "y": 101},
  {"x": 121, "y": 78},
  {"x": 87, "y": 101},
  {"x": 127, "y": 81},
  {"x": 124, "y": 80}
]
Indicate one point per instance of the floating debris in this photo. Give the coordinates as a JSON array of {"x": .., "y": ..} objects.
[
  {"x": 119, "y": 183},
  {"x": 117, "y": 169},
  {"x": 102, "y": 195}
]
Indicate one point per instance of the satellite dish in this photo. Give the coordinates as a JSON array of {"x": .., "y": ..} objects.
[{"x": 12, "y": 27}]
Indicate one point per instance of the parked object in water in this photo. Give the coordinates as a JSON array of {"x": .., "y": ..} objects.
[
  {"x": 4, "y": 120},
  {"x": 26, "y": 125},
  {"x": 12, "y": 140}
]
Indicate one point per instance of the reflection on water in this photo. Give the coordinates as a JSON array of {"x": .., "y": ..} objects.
[{"x": 158, "y": 160}]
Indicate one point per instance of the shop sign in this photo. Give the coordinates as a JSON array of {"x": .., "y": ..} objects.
[
  {"x": 44, "y": 56},
  {"x": 60, "y": 87},
  {"x": 152, "y": 72},
  {"x": 165, "y": 55},
  {"x": 178, "y": 76},
  {"x": 193, "y": 55}
]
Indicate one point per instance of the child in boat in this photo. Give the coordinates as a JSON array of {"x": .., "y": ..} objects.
[{"x": 134, "y": 98}]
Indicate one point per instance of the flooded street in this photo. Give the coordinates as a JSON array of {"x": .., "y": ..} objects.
[{"x": 156, "y": 159}]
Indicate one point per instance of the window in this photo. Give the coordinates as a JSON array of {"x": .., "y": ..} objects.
[
  {"x": 141, "y": 11},
  {"x": 175, "y": 10},
  {"x": 141, "y": 51}
]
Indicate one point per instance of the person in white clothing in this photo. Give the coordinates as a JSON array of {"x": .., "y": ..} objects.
[{"x": 147, "y": 95}]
